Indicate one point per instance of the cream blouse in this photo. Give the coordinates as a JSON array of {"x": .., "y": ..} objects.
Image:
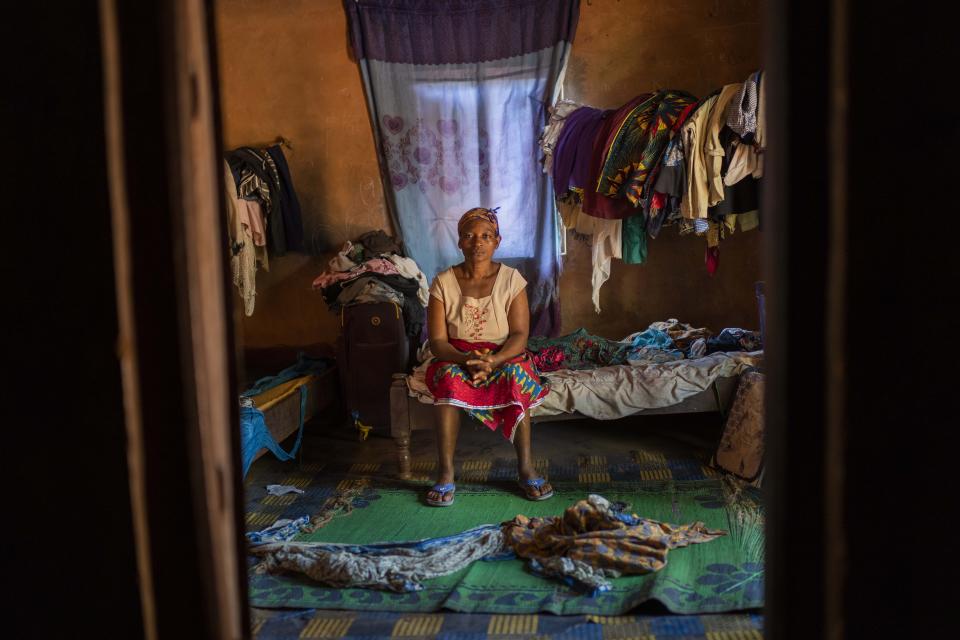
[{"x": 478, "y": 319}]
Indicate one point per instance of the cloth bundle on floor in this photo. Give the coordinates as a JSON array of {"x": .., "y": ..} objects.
[
  {"x": 396, "y": 566},
  {"x": 594, "y": 540}
]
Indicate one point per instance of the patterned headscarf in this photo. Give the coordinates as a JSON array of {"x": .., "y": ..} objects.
[{"x": 479, "y": 213}]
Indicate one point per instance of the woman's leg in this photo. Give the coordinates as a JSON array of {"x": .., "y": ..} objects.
[
  {"x": 525, "y": 468},
  {"x": 448, "y": 427}
]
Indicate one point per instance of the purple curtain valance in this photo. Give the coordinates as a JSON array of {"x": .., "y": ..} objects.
[{"x": 457, "y": 31}]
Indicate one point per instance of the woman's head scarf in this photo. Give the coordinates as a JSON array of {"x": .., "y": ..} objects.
[{"x": 480, "y": 213}]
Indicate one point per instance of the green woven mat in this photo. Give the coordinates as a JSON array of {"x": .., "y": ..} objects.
[{"x": 725, "y": 574}]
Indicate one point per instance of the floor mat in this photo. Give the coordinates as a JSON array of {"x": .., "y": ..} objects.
[
  {"x": 458, "y": 626},
  {"x": 722, "y": 575}
]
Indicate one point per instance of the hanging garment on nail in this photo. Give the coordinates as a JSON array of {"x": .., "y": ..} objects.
[
  {"x": 243, "y": 259},
  {"x": 606, "y": 244},
  {"x": 259, "y": 178},
  {"x": 289, "y": 204}
]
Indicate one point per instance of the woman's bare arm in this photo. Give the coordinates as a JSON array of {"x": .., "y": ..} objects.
[
  {"x": 437, "y": 330},
  {"x": 518, "y": 321}
]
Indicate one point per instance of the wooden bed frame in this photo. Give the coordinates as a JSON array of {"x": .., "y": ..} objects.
[{"x": 408, "y": 414}]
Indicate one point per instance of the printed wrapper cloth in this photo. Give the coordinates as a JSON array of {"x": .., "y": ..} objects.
[{"x": 501, "y": 400}]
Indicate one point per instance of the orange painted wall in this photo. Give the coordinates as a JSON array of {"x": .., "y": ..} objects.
[{"x": 285, "y": 70}]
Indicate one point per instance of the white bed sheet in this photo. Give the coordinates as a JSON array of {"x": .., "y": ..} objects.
[{"x": 613, "y": 392}]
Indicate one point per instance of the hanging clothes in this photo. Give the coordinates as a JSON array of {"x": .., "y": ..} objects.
[
  {"x": 569, "y": 212},
  {"x": 259, "y": 178},
  {"x": 696, "y": 190},
  {"x": 741, "y": 114},
  {"x": 594, "y": 203},
  {"x": 749, "y": 220},
  {"x": 671, "y": 181},
  {"x": 760, "y": 138},
  {"x": 634, "y": 239},
  {"x": 639, "y": 143},
  {"x": 574, "y": 149},
  {"x": 243, "y": 260},
  {"x": 744, "y": 162},
  {"x": 713, "y": 149},
  {"x": 289, "y": 204},
  {"x": 551, "y": 133},
  {"x": 605, "y": 245}
]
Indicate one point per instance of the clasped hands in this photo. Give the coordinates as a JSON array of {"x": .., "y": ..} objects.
[{"x": 480, "y": 366}]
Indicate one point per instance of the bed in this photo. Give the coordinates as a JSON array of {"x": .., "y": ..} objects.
[{"x": 704, "y": 384}]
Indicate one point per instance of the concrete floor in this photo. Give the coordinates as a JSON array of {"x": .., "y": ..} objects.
[{"x": 336, "y": 439}]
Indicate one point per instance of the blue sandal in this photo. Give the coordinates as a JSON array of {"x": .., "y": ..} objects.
[
  {"x": 443, "y": 490},
  {"x": 536, "y": 483}
]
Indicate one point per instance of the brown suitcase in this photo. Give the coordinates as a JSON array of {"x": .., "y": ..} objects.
[
  {"x": 372, "y": 346},
  {"x": 740, "y": 451}
]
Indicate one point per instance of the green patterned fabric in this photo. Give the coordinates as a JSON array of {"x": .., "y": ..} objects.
[
  {"x": 724, "y": 575},
  {"x": 638, "y": 145},
  {"x": 582, "y": 350}
]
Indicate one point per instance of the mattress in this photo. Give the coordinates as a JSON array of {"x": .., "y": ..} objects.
[{"x": 608, "y": 393}]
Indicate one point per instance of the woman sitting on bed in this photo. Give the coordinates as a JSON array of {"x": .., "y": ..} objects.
[{"x": 478, "y": 321}]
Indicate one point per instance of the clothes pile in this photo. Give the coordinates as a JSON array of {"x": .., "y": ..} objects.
[
  {"x": 263, "y": 214},
  {"x": 373, "y": 269},
  {"x": 664, "y": 158},
  {"x": 593, "y": 541},
  {"x": 663, "y": 341}
]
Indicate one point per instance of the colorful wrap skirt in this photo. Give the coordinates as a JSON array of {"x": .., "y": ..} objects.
[{"x": 502, "y": 399}]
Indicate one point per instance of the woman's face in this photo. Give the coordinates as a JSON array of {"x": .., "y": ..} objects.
[{"x": 478, "y": 240}]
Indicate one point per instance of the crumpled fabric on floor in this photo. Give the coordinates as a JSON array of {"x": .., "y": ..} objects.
[
  {"x": 601, "y": 535},
  {"x": 280, "y": 531},
  {"x": 395, "y": 566}
]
